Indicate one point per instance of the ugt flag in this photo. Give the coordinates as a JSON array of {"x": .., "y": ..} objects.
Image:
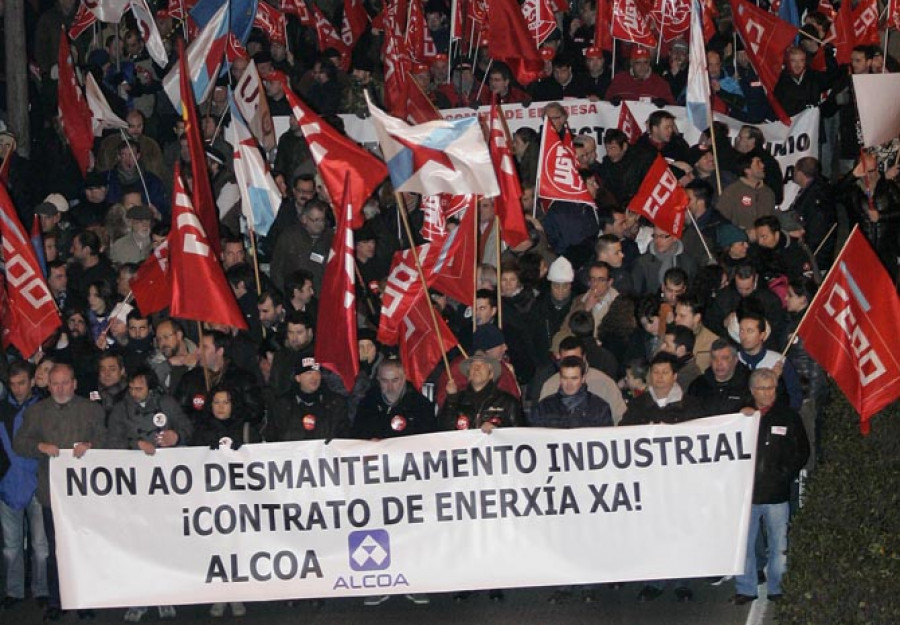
[
  {"x": 443, "y": 156},
  {"x": 850, "y": 329}
]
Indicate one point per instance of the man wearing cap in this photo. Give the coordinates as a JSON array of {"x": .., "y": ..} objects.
[
  {"x": 275, "y": 96},
  {"x": 362, "y": 81},
  {"x": 640, "y": 83},
  {"x": 553, "y": 306},
  {"x": 595, "y": 76},
  {"x": 702, "y": 159},
  {"x": 488, "y": 338},
  {"x": 52, "y": 221},
  {"x": 462, "y": 88},
  {"x": 93, "y": 206},
  {"x": 310, "y": 411},
  {"x": 134, "y": 247},
  {"x": 481, "y": 404},
  {"x": 393, "y": 408}
]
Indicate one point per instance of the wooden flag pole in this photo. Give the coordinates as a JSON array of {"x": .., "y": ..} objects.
[
  {"x": 834, "y": 265},
  {"x": 415, "y": 255},
  {"x": 203, "y": 362}
]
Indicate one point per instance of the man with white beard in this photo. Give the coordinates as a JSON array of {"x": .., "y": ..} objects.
[{"x": 134, "y": 247}]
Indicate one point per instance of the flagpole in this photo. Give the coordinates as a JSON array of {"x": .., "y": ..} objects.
[
  {"x": 475, "y": 273},
  {"x": 483, "y": 79},
  {"x": 203, "y": 362},
  {"x": 700, "y": 234},
  {"x": 415, "y": 255},
  {"x": 496, "y": 231},
  {"x": 537, "y": 181},
  {"x": 253, "y": 252},
  {"x": 136, "y": 164},
  {"x": 827, "y": 236},
  {"x": 613, "y": 68},
  {"x": 712, "y": 137},
  {"x": 887, "y": 34},
  {"x": 834, "y": 265},
  {"x": 364, "y": 289}
]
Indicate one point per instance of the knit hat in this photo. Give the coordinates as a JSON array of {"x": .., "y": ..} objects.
[
  {"x": 728, "y": 234},
  {"x": 561, "y": 271}
]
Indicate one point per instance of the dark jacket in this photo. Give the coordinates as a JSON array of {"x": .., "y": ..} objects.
[
  {"x": 469, "y": 409},
  {"x": 723, "y": 397},
  {"x": 643, "y": 410},
  {"x": 815, "y": 208},
  {"x": 192, "y": 391},
  {"x": 131, "y": 422},
  {"x": 210, "y": 431},
  {"x": 582, "y": 410},
  {"x": 375, "y": 418},
  {"x": 782, "y": 449},
  {"x": 301, "y": 417}
]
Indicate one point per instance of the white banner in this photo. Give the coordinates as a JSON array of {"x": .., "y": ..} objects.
[
  {"x": 786, "y": 144},
  {"x": 439, "y": 512}
]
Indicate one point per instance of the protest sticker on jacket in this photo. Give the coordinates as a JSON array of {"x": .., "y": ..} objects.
[{"x": 430, "y": 513}]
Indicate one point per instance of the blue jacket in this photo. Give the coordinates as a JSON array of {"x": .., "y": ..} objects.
[{"x": 20, "y": 482}]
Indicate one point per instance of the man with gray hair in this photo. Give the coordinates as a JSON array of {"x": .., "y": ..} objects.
[{"x": 782, "y": 448}]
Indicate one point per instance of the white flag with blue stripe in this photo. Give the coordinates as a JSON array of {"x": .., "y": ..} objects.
[
  {"x": 260, "y": 197},
  {"x": 442, "y": 156},
  {"x": 698, "y": 75}
]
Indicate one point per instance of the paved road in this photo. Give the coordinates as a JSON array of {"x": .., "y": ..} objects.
[{"x": 521, "y": 607}]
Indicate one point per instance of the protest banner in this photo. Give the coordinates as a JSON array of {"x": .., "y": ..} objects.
[
  {"x": 787, "y": 144},
  {"x": 431, "y": 513}
]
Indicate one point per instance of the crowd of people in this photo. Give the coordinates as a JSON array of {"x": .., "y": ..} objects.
[{"x": 598, "y": 319}]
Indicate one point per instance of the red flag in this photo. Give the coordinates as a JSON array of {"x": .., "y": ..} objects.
[
  {"x": 850, "y": 329},
  {"x": 661, "y": 199},
  {"x": 558, "y": 177},
  {"x": 74, "y": 113},
  {"x": 84, "y": 19},
  {"x": 336, "y": 346},
  {"x": 354, "y": 23},
  {"x": 176, "y": 8},
  {"x": 710, "y": 16},
  {"x": 603, "y": 26},
  {"x": 448, "y": 265},
  {"x": 397, "y": 63},
  {"x": 766, "y": 38},
  {"x": 434, "y": 226},
  {"x": 415, "y": 31},
  {"x": 328, "y": 37},
  {"x": 336, "y": 156},
  {"x": 865, "y": 23},
  {"x": 540, "y": 19},
  {"x": 508, "y": 204},
  {"x": 631, "y": 22},
  {"x": 628, "y": 123},
  {"x": 271, "y": 21},
  {"x": 672, "y": 17},
  {"x": 151, "y": 284},
  {"x": 201, "y": 190},
  {"x": 299, "y": 8},
  {"x": 420, "y": 350},
  {"x": 453, "y": 272},
  {"x": 509, "y": 41},
  {"x": 32, "y": 315},
  {"x": 194, "y": 269},
  {"x": 893, "y": 15},
  {"x": 841, "y": 34}
]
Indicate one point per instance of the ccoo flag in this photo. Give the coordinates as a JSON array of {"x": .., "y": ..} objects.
[{"x": 850, "y": 328}]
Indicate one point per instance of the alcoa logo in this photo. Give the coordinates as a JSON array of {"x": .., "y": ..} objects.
[{"x": 370, "y": 550}]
